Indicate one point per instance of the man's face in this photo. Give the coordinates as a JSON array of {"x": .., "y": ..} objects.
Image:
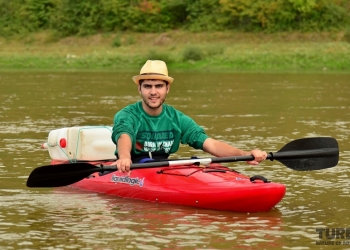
[{"x": 153, "y": 93}]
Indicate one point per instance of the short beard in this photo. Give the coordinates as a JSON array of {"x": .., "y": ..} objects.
[{"x": 146, "y": 102}]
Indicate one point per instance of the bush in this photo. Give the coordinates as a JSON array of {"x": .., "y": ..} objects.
[
  {"x": 192, "y": 53},
  {"x": 117, "y": 42}
]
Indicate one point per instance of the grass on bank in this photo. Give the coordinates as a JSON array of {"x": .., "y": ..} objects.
[{"x": 181, "y": 50}]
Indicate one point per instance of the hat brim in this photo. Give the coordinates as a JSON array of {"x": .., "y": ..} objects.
[{"x": 137, "y": 78}]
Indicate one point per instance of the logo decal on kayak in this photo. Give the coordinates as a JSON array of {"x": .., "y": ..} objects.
[{"x": 127, "y": 180}]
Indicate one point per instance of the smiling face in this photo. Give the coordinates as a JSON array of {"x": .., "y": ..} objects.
[{"x": 153, "y": 93}]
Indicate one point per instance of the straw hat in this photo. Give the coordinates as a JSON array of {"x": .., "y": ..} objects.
[{"x": 153, "y": 70}]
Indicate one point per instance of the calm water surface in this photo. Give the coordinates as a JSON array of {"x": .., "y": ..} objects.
[{"x": 247, "y": 110}]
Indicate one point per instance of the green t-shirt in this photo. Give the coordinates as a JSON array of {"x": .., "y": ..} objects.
[{"x": 157, "y": 134}]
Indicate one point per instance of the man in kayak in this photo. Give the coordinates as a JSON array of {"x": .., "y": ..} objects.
[{"x": 151, "y": 130}]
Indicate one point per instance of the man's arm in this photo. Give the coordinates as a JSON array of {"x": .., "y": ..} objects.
[
  {"x": 124, "y": 153},
  {"x": 221, "y": 149}
]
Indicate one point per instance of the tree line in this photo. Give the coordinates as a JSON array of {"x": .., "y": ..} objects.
[{"x": 86, "y": 17}]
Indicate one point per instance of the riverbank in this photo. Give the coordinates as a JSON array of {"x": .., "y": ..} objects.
[{"x": 181, "y": 50}]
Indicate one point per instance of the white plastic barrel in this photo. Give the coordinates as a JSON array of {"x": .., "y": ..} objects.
[{"x": 88, "y": 143}]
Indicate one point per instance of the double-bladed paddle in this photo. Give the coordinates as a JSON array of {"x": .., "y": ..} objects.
[{"x": 304, "y": 154}]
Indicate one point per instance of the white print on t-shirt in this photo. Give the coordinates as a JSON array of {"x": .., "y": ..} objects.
[{"x": 151, "y": 146}]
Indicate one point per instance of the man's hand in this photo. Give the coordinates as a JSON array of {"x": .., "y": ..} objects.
[
  {"x": 259, "y": 156},
  {"x": 123, "y": 165}
]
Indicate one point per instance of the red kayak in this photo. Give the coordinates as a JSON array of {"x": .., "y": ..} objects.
[{"x": 212, "y": 187}]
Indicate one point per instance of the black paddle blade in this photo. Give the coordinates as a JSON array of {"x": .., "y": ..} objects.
[
  {"x": 309, "y": 154},
  {"x": 60, "y": 174}
]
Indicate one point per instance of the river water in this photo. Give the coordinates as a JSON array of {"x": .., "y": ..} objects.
[{"x": 248, "y": 110}]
